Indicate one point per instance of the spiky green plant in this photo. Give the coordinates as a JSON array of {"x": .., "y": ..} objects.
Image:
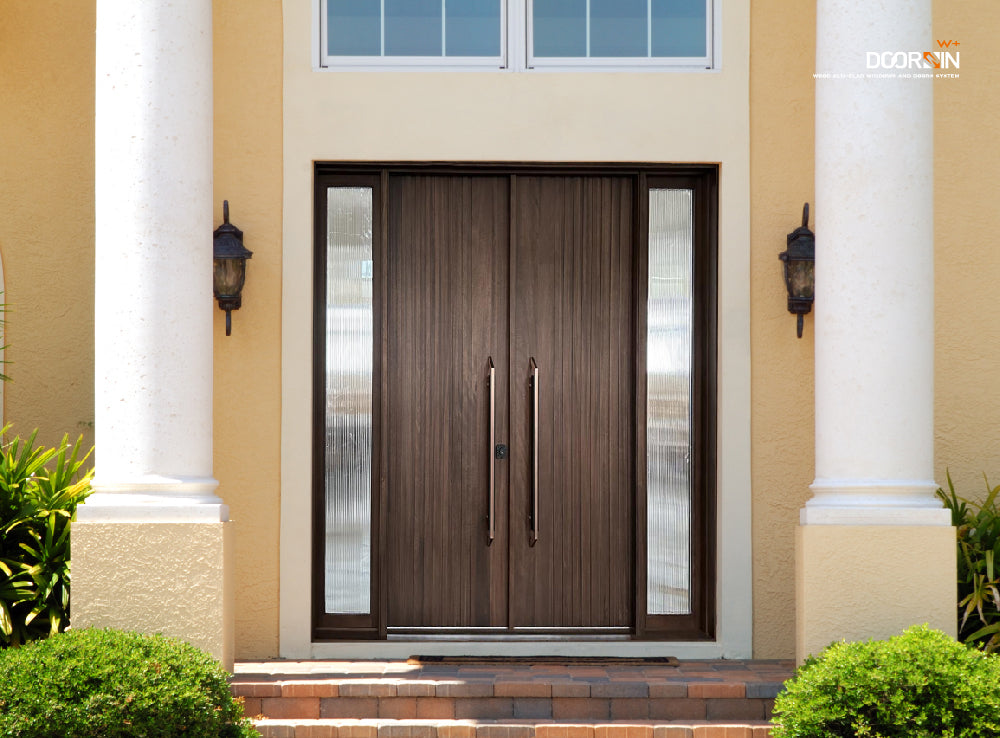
[
  {"x": 40, "y": 489},
  {"x": 978, "y": 541}
]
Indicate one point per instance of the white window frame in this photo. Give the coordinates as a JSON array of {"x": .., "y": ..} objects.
[
  {"x": 516, "y": 36},
  {"x": 615, "y": 63},
  {"x": 410, "y": 62}
]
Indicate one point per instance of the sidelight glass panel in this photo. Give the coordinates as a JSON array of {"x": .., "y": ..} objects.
[
  {"x": 668, "y": 403},
  {"x": 349, "y": 351}
]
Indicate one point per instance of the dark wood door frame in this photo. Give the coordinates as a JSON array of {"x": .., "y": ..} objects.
[{"x": 703, "y": 180}]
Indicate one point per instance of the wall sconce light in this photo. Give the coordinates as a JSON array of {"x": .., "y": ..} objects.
[
  {"x": 230, "y": 265},
  {"x": 798, "y": 260}
]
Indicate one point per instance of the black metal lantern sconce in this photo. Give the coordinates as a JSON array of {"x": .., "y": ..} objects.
[
  {"x": 230, "y": 266},
  {"x": 798, "y": 261}
]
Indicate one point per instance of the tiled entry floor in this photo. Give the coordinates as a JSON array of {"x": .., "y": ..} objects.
[{"x": 381, "y": 699}]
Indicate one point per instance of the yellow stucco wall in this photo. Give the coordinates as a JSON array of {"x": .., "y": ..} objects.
[
  {"x": 47, "y": 247},
  {"x": 782, "y": 53},
  {"x": 47, "y": 215},
  {"x": 247, "y": 419},
  {"x": 967, "y": 263},
  {"x": 46, "y": 243},
  {"x": 967, "y": 270}
]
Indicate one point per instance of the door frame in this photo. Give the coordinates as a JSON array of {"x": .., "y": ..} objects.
[{"x": 703, "y": 179}]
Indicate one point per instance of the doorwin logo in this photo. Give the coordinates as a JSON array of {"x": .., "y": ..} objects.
[{"x": 941, "y": 59}]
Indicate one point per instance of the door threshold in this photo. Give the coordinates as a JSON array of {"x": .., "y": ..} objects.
[
  {"x": 402, "y": 649},
  {"x": 409, "y": 633},
  {"x": 576, "y": 638}
]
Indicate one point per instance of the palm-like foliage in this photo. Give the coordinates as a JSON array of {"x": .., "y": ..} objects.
[
  {"x": 40, "y": 489},
  {"x": 978, "y": 537}
]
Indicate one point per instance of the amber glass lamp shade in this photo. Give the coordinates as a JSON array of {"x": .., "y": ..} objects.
[
  {"x": 799, "y": 261},
  {"x": 229, "y": 266}
]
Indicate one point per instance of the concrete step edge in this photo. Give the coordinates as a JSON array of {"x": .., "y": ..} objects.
[
  {"x": 387, "y": 689},
  {"x": 383, "y": 728}
]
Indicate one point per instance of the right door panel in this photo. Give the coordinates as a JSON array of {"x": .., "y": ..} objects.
[{"x": 572, "y": 460}]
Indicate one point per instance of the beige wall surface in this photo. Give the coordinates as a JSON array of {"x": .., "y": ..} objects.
[
  {"x": 247, "y": 417},
  {"x": 170, "y": 578},
  {"x": 47, "y": 215},
  {"x": 518, "y": 116},
  {"x": 849, "y": 588},
  {"x": 782, "y": 53}
]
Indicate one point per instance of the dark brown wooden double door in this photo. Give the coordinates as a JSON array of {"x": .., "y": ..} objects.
[{"x": 516, "y": 272}]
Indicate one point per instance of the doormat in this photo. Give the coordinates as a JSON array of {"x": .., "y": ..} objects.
[{"x": 565, "y": 660}]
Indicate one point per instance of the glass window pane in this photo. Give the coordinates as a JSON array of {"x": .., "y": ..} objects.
[
  {"x": 413, "y": 27},
  {"x": 679, "y": 27},
  {"x": 353, "y": 28},
  {"x": 618, "y": 28},
  {"x": 349, "y": 350},
  {"x": 472, "y": 27},
  {"x": 560, "y": 28},
  {"x": 668, "y": 404}
]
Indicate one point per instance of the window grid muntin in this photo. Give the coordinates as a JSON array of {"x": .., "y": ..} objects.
[
  {"x": 390, "y": 60},
  {"x": 610, "y": 62},
  {"x": 516, "y": 49}
]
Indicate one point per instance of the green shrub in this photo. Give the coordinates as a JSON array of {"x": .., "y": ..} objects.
[
  {"x": 113, "y": 684},
  {"x": 920, "y": 684},
  {"x": 978, "y": 538},
  {"x": 39, "y": 491}
]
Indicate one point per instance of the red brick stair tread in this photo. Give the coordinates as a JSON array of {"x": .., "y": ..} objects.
[{"x": 510, "y": 729}]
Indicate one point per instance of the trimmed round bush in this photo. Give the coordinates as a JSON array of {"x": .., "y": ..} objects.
[
  {"x": 115, "y": 684},
  {"x": 919, "y": 684}
]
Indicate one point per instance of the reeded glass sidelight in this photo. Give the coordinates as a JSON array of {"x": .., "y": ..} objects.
[
  {"x": 349, "y": 351},
  {"x": 668, "y": 402}
]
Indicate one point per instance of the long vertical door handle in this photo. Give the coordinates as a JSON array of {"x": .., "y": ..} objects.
[
  {"x": 493, "y": 408},
  {"x": 534, "y": 452}
]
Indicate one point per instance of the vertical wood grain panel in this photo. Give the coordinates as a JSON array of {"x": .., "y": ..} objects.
[
  {"x": 572, "y": 311},
  {"x": 447, "y": 315}
]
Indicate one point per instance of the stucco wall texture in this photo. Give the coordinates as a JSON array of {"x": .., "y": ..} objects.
[
  {"x": 967, "y": 260},
  {"x": 47, "y": 216},
  {"x": 46, "y": 243},
  {"x": 126, "y": 572},
  {"x": 967, "y": 269},
  {"x": 845, "y": 592},
  {"x": 247, "y": 415},
  {"x": 782, "y": 54}
]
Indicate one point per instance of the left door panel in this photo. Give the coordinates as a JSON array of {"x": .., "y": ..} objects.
[{"x": 447, "y": 319}]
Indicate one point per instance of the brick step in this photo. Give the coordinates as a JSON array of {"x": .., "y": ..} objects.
[
  {"x": 329, "y": 728},
  {"x": 385, "y": 696},
  {"x": 312, "y": 701},
  {"x": 497, "y": 700}
]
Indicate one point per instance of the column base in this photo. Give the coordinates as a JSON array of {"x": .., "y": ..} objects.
[
  {"x": 156, "y": 577},
  {"x": 856, "y": 582}
]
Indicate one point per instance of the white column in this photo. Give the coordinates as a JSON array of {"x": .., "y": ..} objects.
[
  {"x": 153, "y": 343},
  {"x": 875, "y": 552},
  {"x": 151, "y": 545},
  {"x": 874, "y": 270}
]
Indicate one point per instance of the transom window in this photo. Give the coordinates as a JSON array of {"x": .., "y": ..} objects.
[{"x": 517, "y": 34}]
